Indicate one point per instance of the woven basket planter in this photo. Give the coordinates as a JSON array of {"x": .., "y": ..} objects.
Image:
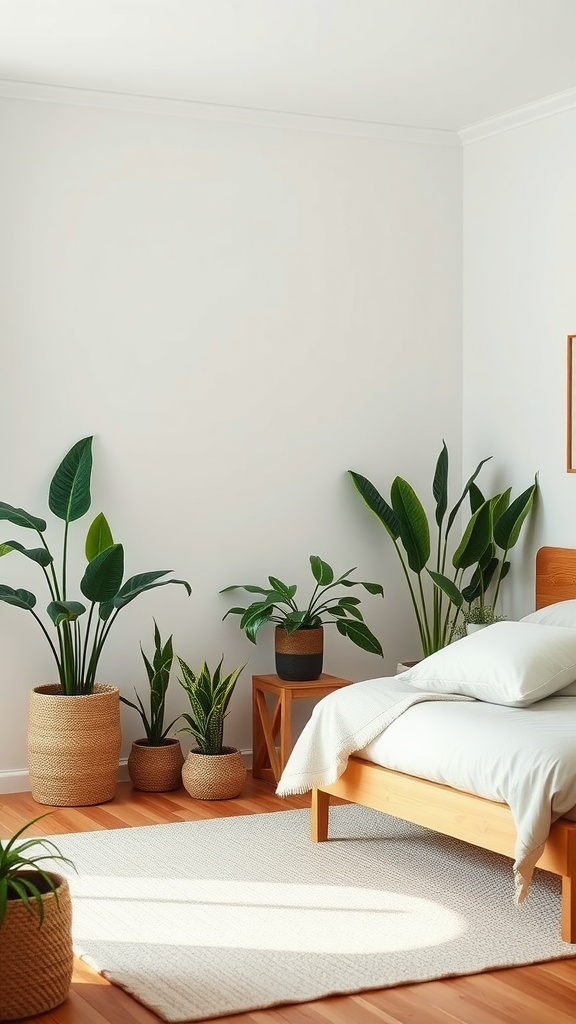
[
  {"x": 73, "y": 745},
  {"x": 36, "y": 961},
  {"x": 156, "y": 769},
  {"x": 299, "y": 655},
  {"x": 214, "y": 776}
]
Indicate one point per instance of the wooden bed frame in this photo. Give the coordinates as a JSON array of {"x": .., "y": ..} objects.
[{"x": 482, "y": 822}]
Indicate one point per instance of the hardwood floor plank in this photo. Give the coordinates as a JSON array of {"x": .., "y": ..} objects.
[{"x": 538, "y": 994}]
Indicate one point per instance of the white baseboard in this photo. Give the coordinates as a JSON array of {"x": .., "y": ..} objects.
[{"x": 17, "y": 781}]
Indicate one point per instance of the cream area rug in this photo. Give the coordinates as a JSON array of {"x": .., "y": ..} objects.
[{"x": 201, "y": 919}]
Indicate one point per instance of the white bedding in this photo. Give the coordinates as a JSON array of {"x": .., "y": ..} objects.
[{"x": 524, "y": 757}]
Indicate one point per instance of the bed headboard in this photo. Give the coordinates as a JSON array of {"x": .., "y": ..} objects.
[{"x": 555, "y": 575}]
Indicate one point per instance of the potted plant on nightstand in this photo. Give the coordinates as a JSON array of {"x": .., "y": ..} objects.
[
  {"x": 211, "y": 771},
  {"x": 299, "y": 634},
  {"x": 155, "y": 761},
  {"x": 74, "y": 724},
  {"x": 36, "y": 955}
]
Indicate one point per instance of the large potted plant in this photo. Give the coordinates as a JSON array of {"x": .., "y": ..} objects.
[
  {"x": 299, "y": 633},
  {"x": 74, "y": 723},
  {"x": 479, "y": 559},
  {"x": 36, "y": 957},
  {"x": 211, "y": 770},
  {"x": 155, "y": 761}
]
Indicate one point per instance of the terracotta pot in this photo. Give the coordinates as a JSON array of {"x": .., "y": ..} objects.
[
  {"x": 74, "y": 745},
  {"x": 299, "y": 655},
  {"x": 36, "y": 961},
  {"x": 156, "y": 769},
  {"x": 214, "y": 776}
]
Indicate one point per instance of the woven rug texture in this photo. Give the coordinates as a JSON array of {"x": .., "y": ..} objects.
[{"x": 207, "y": 918}]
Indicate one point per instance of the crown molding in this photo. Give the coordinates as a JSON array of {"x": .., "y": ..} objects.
[
  {"x": 546, "y": 107},
  {"x": 216, "y": 112}
]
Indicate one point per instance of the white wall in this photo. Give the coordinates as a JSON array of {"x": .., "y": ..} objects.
[
  {"x": 239, "y": 314},
  {"x": 519, "y": 306}
]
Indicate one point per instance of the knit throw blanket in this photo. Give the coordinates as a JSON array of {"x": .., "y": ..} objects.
[{"x": 345, "y": 721}]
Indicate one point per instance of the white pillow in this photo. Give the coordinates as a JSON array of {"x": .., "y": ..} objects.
[
  {"x": 563, "y": 613},
  {"x": 512, "y": 663}
]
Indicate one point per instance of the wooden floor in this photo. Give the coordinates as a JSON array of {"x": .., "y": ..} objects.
[{"x": 540, "y": 994}]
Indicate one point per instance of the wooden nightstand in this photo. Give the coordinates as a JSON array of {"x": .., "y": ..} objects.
[{"x": 268, "y": 760}]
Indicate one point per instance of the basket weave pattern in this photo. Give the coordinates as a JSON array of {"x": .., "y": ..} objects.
[
  {"x": 156, "y": 769},
  {"x": 73, "y": 745},
  {"x": 303, "y": 641},
  {"x": 36, "y": 963},
  {"x": 214, "y": 776}
]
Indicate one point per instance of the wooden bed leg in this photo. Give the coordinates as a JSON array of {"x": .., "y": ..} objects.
[
  {"x": 320, "y": 808},
  {"x": 568, "y": 926}
]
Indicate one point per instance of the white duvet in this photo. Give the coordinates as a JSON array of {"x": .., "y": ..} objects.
[{"x": 524, "y": 757}]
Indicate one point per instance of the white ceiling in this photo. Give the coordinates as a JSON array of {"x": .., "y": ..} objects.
[{"x": 443, "y": 64}]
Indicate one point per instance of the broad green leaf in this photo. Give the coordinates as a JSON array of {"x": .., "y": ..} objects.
[
  {"x": 507, "y": 529},
  {"x": 243, "y": 586},
  {"x": 40, "y": 555},
  {"x": 413, "y": 523},
  {"x": 360, "y": 635},
  {"x": 283, "y": 589},
  {"x": 321, "y": 571},
  {"x": 98, "y": 538},
  {"x": 440, "y": 484},
  {"x": 65, "y": 611},
  {"x": 342, "y": 610},
  {"x": 447, "y": 586},
  {"x": 476, "y": 497},
  {"x": 500, "y": 503},
  {"x": 377, "y": 504},
  {"x": 294, "y": 621},
  {"x": 467, "y": 487},
  {"x": 18, "y": 598},
  {"x": 475, "y": 540},
  {"x": 136, "y": 585},
  {"x": 19, "y": 517},
  {"x": 233, "y": 611},
  {"x": 69, "y": 494},
  {"x": 103, "y": 576},
  {"x": 372, "y": 588}
]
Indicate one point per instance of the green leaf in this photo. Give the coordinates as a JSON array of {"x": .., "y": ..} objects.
[
  {"x": 321, "y": 571},
  {"x": 69, "y": 494},
  {"x": 467, "y": 487},
  {"x": 103, "y": 576},
  {"x": 372, "y": 588},
  {"x": 500, "y": 503},
  {"x": 377, "y": 504},
  {"x": 65, "y": 611},
  {"x": 137, "y": 585},
  {"x": 98, "y": 538},
  {"x": 440, "y": 484},
  {"x": 447, "y": 586},
  {"x": 507, "y": 529},
  {"x": 476, "y": 497},
  {"x": 295, "y": 620},
  {"x": 360, "y": 635},
  {"x": 414, "y": 529},
  {"x": 40, "y": 555},
  {"x": 19, "y": 517},
  {"x": 286, "y": 592},
  {"x": 475, "y": 540},
  {"x": 18, "y": 598},
  {"x": 244, "y": 586}
]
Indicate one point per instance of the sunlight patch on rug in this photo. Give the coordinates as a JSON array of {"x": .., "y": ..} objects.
[{"x": 207, "y": 918}]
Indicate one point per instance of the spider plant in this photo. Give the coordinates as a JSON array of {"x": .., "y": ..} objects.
[{"x": 21, "y": 877}]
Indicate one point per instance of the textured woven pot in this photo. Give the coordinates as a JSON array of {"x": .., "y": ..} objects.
[
  {"x": 214, "y": 776},
  {"x": 73, "y": 745},
  {"x": 156, "y": 769},
  {"x": 36, "y": 963},
  {"x": 299, "y": 655}
]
